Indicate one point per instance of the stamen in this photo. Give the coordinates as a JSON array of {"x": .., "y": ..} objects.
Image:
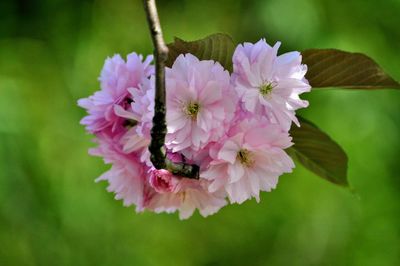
[
  {"x": 267, "y": 88},
  {"x": 244, "y": 156},
  {"x": 129, "y": 123},
  {"x": 192, "y": 109}
]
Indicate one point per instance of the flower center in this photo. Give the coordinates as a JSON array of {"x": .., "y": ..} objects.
[
  {"x": 129, "y": 123},
  {"x": 244, "y": 156},
  {"x": 192, "y": 109},
  {"x": 126, "y": 105},
  {"x": 266, "y": 88}
]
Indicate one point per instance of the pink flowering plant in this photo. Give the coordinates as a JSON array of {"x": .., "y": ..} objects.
[{"x": 210, "y": 123}]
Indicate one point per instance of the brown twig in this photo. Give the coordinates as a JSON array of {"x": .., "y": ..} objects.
[{"x": 159, "y": 130}]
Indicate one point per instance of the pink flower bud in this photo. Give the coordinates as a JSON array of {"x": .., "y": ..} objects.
[{"x": 163, "y": 181}]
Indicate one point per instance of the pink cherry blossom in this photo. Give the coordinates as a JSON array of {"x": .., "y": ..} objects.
[
  {"x": 141, "y": 110},
  {"x": 250, "y": 160},
  {"x": 198, "y": 111},
  {"x": 116, "y": 77},
  {"x": 187, "y": 196},
  {"x": 270, "y": 85},
  {"x": 127, "y": 175},
  {"x": 235, "y": 128}
]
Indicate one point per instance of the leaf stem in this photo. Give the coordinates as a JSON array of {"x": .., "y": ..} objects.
[{"x": 159, "y": 129}]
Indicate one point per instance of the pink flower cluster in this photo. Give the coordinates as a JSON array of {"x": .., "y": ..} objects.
[{"x": 234, "y": 127}]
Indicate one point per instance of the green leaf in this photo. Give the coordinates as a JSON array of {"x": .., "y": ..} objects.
[
  {"x": 335, "y": 68},
  {"x": 218, "y": 47},
  {"x": 319, "y": 153}
]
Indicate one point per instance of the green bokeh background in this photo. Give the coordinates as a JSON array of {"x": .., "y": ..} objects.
[{"x": 52, "y": 212}]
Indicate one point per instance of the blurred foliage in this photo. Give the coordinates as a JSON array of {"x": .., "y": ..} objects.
[{"x": 52, "y": 212}]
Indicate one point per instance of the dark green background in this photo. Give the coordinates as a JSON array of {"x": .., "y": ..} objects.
[{"x": 52, "y": 212}]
